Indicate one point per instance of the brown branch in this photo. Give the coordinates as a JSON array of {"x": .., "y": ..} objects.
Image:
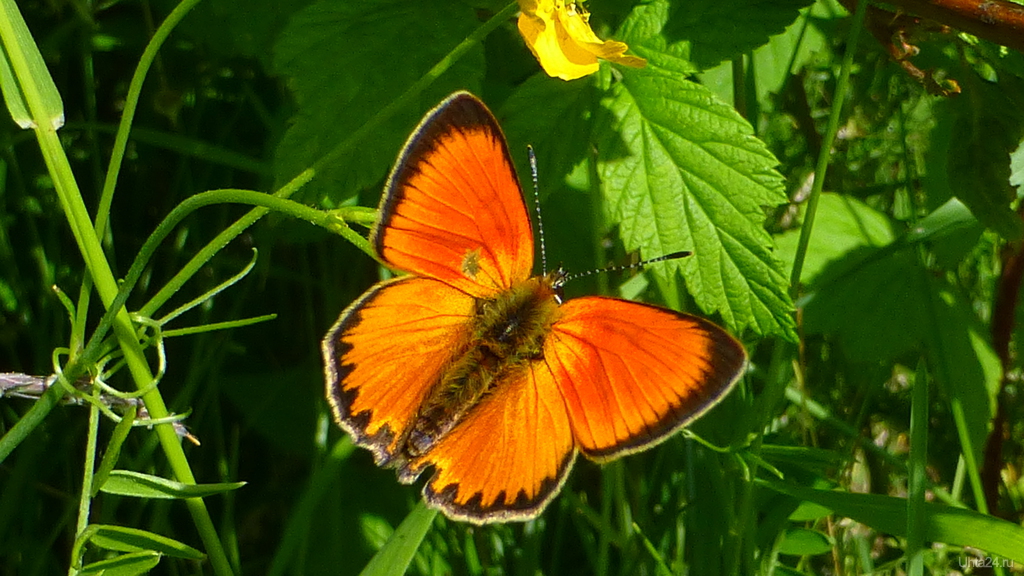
[{"x": 997, "y": 21}]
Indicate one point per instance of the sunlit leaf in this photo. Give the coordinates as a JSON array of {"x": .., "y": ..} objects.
[
  {"x": 123, "y": 565},
  {"x": 804, "y": 542},
  {"x": 957, "y": 526},
  {"x": 139, "y": 485},
  {"x": 124, "y": 539},
  {"x": 842, "y": 225},
  {"x": 682, "y": 171}
]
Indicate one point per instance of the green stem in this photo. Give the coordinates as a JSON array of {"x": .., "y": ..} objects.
[
  {"x": 98, "y": 268},
  {"x": 30, "y": 420},
  {"x": 917, "y": 481},
  {"x": 825, "y": 154},
  {"x": 333, "y": 221},
  {"x": 87, "y": 477},
  {"x": 131, "y": 103}
]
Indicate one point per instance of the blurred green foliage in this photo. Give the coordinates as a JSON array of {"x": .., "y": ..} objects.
[{"x": 710, "y": 148}]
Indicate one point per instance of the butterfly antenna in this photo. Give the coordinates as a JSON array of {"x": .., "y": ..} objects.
[
  {"x": 536, "y": 203},
  {"x": 620, "y": 268}
]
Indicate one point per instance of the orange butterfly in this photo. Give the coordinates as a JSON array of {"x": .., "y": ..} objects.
[{"x": 474, "y": 367}]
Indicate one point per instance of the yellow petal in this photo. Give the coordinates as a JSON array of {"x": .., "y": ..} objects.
[{"x": 560, "y": 37}]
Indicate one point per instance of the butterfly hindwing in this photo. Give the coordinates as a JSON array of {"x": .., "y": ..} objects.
[
  {"x": 510, "y": 455},
  {"x": 632, "y": 374},
  {"x": 386, "y": 352},
  {"x": 452, "y": 208}
]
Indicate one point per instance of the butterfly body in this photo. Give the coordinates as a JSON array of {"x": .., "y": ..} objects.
[
  {"x": 474, "y": 368},
  {"x": 507, "y": 333}
]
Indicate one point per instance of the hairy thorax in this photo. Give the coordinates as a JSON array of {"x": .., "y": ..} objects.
[{"x": 507, "y": 333}]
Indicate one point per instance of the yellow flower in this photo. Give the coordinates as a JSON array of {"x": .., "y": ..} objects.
[{"x": 559, "y": 35}]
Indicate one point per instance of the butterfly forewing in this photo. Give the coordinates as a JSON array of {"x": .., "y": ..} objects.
[
  {"x": 453, "y": 209},
  {"x": 386, "y": 352}
]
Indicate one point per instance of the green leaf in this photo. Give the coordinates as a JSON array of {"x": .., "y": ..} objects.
[
  {"x": 776, "y": 62},
  {"x": 951, "y": 217},
  {"x": 376, "y": 530},
  {"x": 122, "y": 539},
  {"x": 813, "y": 459},
  {"x": 128, "y": 483},
  {"x": 881, "y": 304},
  {"x": 809, "y": 512},
  {"x": 706, "y": 32},
  {"x": 973, "y": 150},
  {"x": 963, "y": 363},
  {"x": 804, "y": 542},
  {"x": 24, "y": 77},
  {"x": 398, "y": 551},
  {"x": 643, "y": 31},
  {"x": 782, "y": 570},
  {"x": 951, "y": 232},
  {"x": 842, "y": 225},
  {"x": 956, "y": 526},
  {"x": 123, "y": 565},
  {"x": 681, "y": 170},
  {"x": 241, "y": 28},
  {"x": 872, "y": 300},
  {"x": 113, "y": 451},
  {"x": 345, "y": 61}
]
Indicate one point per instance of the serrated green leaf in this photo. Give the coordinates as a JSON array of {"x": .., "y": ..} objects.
[
  {"x": 123, "y": 539},
  {"x": 139, "y": 485},
  {"x": 123, "y": 565},
  {"x": 842, "y": 225},
  {"x": 345, "y": 61},
  {"x": 681, "y": 170},
  {"x": 804, "y": 542},
  {"x": 957, "y": 526},
  {"x": 643, "y": 31}
]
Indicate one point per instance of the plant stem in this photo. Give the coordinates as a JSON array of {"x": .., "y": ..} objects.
[
  {"x": 825, "y": 153},
  {"x": 87, "y": 476},
  {"x": 99, "y": 270}
]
